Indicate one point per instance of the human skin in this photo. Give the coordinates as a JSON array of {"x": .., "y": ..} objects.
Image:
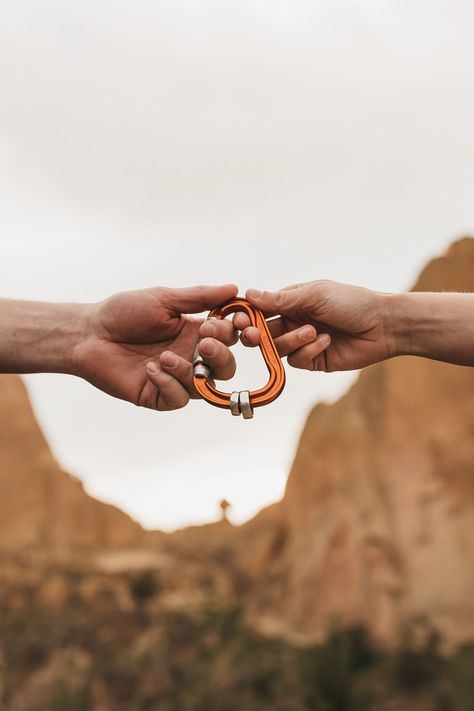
[
  {"x": 354, "y": 327},
  {"x": 137, "y": 345}
]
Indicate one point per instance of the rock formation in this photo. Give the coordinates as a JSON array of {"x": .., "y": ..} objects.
[
  {"x": 43, "y": 509},
  {"x": 377, "y": 522}
]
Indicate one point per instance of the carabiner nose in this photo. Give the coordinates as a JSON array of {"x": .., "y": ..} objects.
[{"x": 243, "y": 403}]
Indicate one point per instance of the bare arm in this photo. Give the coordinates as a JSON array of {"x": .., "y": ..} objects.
[
  {"x": 40, "y": 337},
  {"x": 433, "y": 325},
  {"x": 137, "y": 346}
]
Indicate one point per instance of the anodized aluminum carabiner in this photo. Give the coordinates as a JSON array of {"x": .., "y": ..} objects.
[{"x": 243, "y": 402}]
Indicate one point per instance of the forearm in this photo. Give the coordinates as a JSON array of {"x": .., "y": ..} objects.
[
  {"x": 39, "y": 337},
  {"x": 433, "y": 325}
]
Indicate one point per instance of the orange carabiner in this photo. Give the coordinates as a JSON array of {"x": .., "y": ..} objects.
[{"x": 242, "y": 403}]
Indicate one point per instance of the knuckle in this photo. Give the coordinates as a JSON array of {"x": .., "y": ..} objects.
[
  {"x": 182, "y": 402},
  {"x": 296, "y": 360},
  {"x": 176, "y": 401},
  {"x": 293, "y": 360},
  {"x": 208, "y": 328},
  {"x": 160, "y": 293},
  {"x": 278, "y": 298}
]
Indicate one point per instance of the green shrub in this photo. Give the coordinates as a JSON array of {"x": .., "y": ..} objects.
[{"x": 417, "y": 663}]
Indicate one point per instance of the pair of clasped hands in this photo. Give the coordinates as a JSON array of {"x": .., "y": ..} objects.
[
  {"x": 148, "y": 340},
  {"x": 139, "y": 345}
]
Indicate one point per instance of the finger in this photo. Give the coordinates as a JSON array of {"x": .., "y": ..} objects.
[
  {"x": 221, "y": 329},
  {"x": 250, "y": 337},
  {"x": 286, "y": 343},
  {"x": 295, "y": 340},
  {"x": 172, "y": 395},
  {"x": 241, "y": 320},
  {"x": 306, "y": 357},
  {"x": 180, "y": 369},
  {"x": 275, "y": 302},
  {"x": 217, "y": 355},
  {"x": 277, "y": 326},
  {"x": 195, "y": 299}
]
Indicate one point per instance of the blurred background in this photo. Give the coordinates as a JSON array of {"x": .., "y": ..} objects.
[{"x": 262, "y": 143}]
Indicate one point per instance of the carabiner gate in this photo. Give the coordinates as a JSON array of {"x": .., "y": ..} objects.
[{"x": 242, "y": 403}]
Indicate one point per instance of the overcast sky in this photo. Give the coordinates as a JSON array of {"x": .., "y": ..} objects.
[{"x": 261, "y": 142}]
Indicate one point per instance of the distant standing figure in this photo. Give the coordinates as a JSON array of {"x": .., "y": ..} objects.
[{"x": 224, "y": 506}]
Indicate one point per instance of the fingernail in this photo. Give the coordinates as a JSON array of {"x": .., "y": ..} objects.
[
  {"x": 306, "y": 332},
  {"x": 169, "y": 359},
  {"x": 324, "y": 339},
  {"x": 254, "y": 293},
  {"x": 208, "y": 348},
  {"x": 152, "y": 368}
]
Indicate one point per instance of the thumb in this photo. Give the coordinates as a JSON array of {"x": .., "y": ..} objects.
[
  {"x": 272, "y": 303},
  {"x": 194, "y": 299}
]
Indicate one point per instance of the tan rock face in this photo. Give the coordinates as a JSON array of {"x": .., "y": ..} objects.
[
  {"x": 377, "y": 523},
  {"x": 41, "y": 507}
]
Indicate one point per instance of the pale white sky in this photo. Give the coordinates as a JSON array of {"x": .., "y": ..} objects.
[{"x": 260, "y": 142}]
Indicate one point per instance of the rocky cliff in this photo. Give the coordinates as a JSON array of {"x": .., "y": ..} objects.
[
  {"x": 377, "y": 522},
  {"x": 43, "y": 509}
]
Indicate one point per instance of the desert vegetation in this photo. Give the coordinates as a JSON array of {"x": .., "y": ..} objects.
[{"x": 122, "y": 647}]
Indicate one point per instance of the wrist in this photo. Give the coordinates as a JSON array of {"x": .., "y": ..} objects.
[
  {"x": 41, "y": 337},
  {"x": 433, "y": 325},
  {"x": 398, "y": 324},
  {"x": 57, "y": 335},
  {"x": 76, "y": 333}
]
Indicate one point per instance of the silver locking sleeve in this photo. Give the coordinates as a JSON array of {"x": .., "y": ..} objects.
[
  {"x": 245, "y": 406},
  {"x": 200, "y": 368},
  {"x": 234, "y": 404}
]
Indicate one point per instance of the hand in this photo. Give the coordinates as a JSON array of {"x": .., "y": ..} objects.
[
  {"x": 346, "y": 322},
  {"x": 138, "y": 345}
]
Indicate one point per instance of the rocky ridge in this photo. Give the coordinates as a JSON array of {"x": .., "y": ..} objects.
[{"x": 43, "y": 510}]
